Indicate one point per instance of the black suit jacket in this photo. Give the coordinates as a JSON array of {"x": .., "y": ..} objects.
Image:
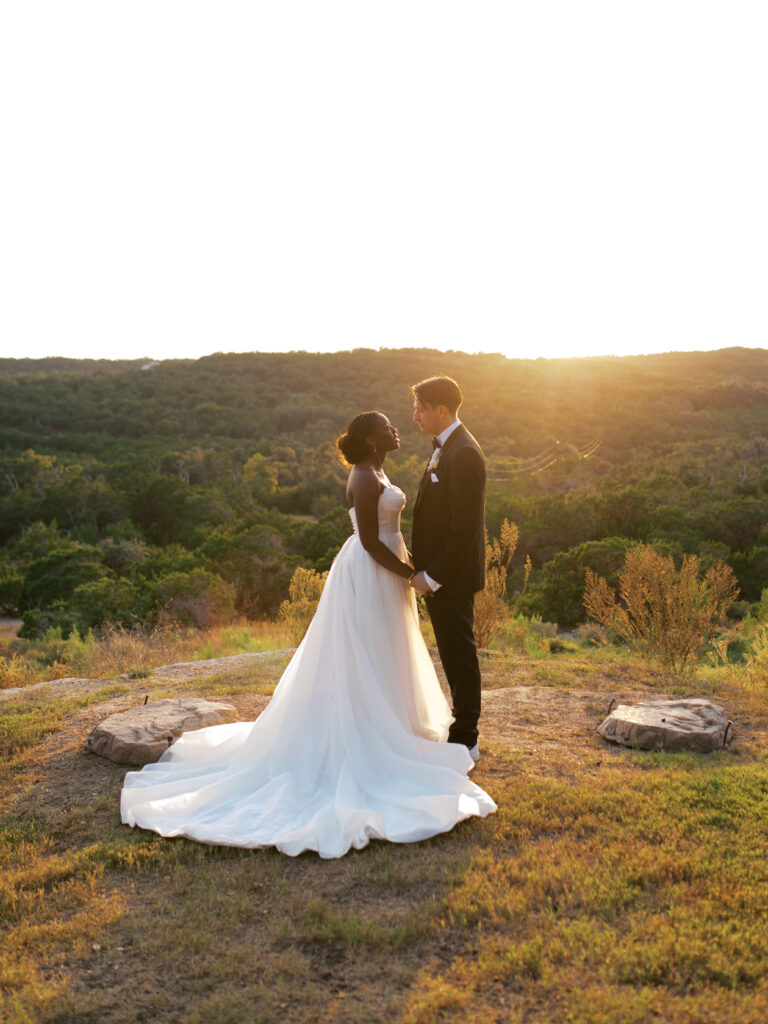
[{"x": 449, "y": 517}]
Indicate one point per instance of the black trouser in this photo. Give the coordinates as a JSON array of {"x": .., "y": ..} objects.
[{"x": 452, "y": 618}]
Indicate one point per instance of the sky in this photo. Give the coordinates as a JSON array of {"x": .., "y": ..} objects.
[{"x": 541, "y": 178}]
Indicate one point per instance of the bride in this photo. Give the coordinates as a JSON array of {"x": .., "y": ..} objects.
[{"x": 352, "y": 745}]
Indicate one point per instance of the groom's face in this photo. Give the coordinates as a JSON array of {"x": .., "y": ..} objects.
[{"x": 428, "y": 418}]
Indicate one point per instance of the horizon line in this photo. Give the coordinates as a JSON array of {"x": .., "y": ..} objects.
[{"x": 149, "y": 359}]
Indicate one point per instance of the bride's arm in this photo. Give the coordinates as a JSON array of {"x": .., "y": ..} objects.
[{"x": 365, "y": 490}]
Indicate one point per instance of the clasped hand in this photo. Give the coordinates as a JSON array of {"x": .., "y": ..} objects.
[{"x": 420, "y": 585}]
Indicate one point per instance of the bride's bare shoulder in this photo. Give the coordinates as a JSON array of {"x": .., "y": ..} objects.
[{"x": 363, "y": 482}]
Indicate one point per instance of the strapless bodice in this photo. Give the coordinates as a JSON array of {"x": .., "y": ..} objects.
[{"x": 391, "y": 504}]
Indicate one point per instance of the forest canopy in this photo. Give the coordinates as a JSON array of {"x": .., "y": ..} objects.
[{"x": 191, "y": 489}]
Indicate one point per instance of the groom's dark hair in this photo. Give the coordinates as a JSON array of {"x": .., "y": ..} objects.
[{"x": 439, "y": 391}]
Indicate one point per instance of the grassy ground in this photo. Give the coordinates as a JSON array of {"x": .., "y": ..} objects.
[{"x": 612, "y": 887}]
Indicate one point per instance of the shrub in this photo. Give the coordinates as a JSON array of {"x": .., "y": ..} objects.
[
  {"x": 105, "y": 600},
  {"x": 760, "y": 608},
  {"x": 590, "y": 634},
  {"x": 516, "y": 634},
  {"x": 15, "y": 671},
  {"x": 540, "y": 628},
  {"x": 38, "y": 622},
  {"x": 197, "y": 598},
  {"x": 530, "y": 637},
  {"x": 48, "y": 647},
  {"x": 11, "y": 580},
  {"x": 304, "y": 592},
  {"x": 757, "y": 658},
  {"x": 666, "y": 616},
  {"x": 491, "y": 608}
]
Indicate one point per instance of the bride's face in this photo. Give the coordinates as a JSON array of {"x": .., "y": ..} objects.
[{"x": 385, "y": 436}]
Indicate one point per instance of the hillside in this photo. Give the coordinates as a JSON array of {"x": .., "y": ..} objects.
[{"x": 197, "y": 486}]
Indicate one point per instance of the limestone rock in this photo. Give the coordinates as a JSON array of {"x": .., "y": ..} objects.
[
  {"x": 692, "y": 724},
  {"x": 143, "y": 733}
]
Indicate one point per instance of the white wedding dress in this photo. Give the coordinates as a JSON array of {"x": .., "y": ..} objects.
[{"x": 351, "y": 746}]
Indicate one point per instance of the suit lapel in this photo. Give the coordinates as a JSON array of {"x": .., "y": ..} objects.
[
  {"x": 422, "y": 488},
  {"x": 461, "y": 429}
]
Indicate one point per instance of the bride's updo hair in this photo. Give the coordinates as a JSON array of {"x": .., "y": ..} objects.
[{"x": 353, "y": 443}]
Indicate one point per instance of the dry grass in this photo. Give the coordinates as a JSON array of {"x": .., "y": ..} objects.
[
  {"x": 612, "y": 887},
  {"x": 491, "y": 608},
  {"x": 15, "y": 670},
  {"x": 117, "y": 651},
  {"x": 24, "y": 722},
  {"x": 598, "y": 669}
]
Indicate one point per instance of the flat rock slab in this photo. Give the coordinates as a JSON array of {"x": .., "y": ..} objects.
[
  {"x": 189, "y": 669},
  {"x": 74, "y": 683},
  {"x": 694, "y": 724},
  {"x": 143, "y": 733}
]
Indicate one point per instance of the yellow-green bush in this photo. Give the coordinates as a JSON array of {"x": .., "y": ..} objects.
[
  {"x": 668, "y": 616},
  {"x": 303, "y": 595}
]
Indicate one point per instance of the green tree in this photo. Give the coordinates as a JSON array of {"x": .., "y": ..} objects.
[
  {"x": 159, "y": 508},
  {"x": 260, "y": 475},
  {"x": 255, "y": 561},
  {"x": 107, "y": 600},
  {"x": 556, "y": 591},
  {"x": 56, "y": 575},
  {"x": 11, "y": 580}
]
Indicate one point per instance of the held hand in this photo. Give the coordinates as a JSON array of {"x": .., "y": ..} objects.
[{"x": 420, "y": 585}]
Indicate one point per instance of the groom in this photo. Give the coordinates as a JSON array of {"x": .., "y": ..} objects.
[{"x": 449, "y": 545}]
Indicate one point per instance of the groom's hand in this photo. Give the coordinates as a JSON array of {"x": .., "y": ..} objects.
[{"x": 420, "y": 585}]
